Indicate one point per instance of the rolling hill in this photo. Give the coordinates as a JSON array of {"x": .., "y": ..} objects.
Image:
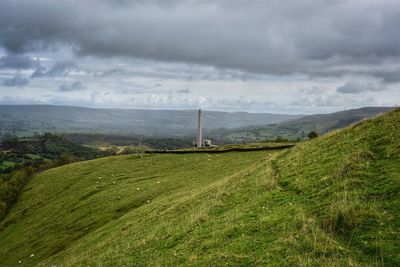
[
  {"x": 330, "y": 201},
  {"x": 27, "y": 119},
  {"x": 300, "y": 127}
]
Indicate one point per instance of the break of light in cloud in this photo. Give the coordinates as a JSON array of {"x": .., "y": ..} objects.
[{"x": 274, "y": 56}]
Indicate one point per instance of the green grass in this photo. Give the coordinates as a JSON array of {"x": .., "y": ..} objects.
[
  {"x": 331, "y": 201},
  {"x": 33, "y": 156},
  {"x": 291, "y": 132},
  {"x": 349, "y": 182},
  {"x": 266, "y": 145},
  {"x": 7, "y": 164},
  {"x": 255, "y": 145},
  {"x": 62, "y": 205}
]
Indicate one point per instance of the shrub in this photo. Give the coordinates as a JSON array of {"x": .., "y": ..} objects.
[{"x": 312, "y": 135}]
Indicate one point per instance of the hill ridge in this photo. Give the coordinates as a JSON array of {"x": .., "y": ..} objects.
[{"x": 299, "y": 128}]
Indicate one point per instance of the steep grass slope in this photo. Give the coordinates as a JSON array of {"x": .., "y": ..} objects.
[
  {"x": 348, "y": 182},
  {"x": 333, "y": 201},
  {"x": 60, "y": 206}
]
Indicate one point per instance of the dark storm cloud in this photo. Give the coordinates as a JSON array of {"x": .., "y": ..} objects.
[
  {"x": 71, "y": 86},
  {"x": 60, "y": 68},
  {"x": 18, "y": 62},
  {"x": 356, "y": 87},
  {"x": 316, "y": 37},
  {"x": 17, "y": 80},
  {"x": 389, "y": 76}
]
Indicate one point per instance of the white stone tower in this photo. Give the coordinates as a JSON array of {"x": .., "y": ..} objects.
[{"x": 199, "y": 141}]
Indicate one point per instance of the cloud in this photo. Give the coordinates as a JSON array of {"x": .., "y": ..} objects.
[
  {"x": 183, "y": 91},
  {"x": 356, "y": 87},
  {"x": 60, "y": 68},
  {"x": 111, "y": 72},
  {"x": 17, "y": 80},
  {"x": 71, "y": 86},
  {"x": 388, "y": 76},
  {"x": 314, "y": 37},
  {"x": 18, "y": 62},
  {"x": 329, "y": 100}
]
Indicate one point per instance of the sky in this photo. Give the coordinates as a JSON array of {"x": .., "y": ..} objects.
[{"x": 276, "y": 56}]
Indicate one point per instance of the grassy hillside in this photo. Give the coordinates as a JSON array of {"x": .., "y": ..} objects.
[
  {"x": 332, "y": 201},
  {"x": 20, "y": 158},
  {"x": 64, "y": 205},
  {"x": 110, "y": 140},
  {"x": 348, "y": 185},
  {"x": 299, "y": 128}
]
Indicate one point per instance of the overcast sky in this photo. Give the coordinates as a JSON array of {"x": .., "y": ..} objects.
[{"x": 280, "y": 56}]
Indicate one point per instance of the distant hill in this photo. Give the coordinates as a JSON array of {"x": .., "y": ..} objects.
[
  {"x": 300, "y": 127},
  {"x": 330, "y": 201},
  {"x": 27, "y": 119}
]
